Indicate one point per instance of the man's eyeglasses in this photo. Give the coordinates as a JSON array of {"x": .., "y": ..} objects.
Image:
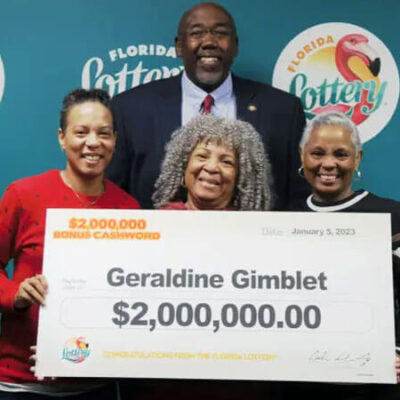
[{"x": 217, "y": 33}]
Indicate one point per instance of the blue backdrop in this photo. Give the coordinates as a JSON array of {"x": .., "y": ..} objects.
[{"x": 49, "y": 47}]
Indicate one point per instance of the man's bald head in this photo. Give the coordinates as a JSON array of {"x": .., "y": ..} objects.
[{"x": 188, "y": 13}]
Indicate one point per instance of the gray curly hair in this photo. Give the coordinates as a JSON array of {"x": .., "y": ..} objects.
[
  {"x": 253, "y": 188},
  {"x": 334, "y": 118}
]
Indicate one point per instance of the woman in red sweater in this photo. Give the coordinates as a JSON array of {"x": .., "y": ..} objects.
[{"x": 87, "y": 136}]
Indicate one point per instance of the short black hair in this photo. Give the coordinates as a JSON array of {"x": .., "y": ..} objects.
[
  {"x": 78, "y": 96},
  {"x": 216, "y": 5}
]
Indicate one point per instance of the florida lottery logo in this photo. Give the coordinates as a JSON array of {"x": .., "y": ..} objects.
[
  {"x": 2, "y": 79},
  {"x": 341, "y": 67},
  {"x": 76, "y": 350},
  {"x": 118, "y": 69}
]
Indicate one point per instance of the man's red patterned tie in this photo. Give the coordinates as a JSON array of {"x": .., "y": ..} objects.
[{"x": 207, "y": 104}]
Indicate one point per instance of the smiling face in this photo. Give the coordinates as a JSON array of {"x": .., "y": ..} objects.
[
  {"x": 329, "y": 160},
  {"x": 88, "y": 140},
  {"x": 210, "y": 176},
  {"x": 207, "y": 43}
]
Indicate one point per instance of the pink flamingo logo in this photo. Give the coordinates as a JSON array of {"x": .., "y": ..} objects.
[{"x": 356, "y": 61}]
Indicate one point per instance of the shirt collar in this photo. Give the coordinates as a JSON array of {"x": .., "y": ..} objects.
[
  {"x": 194, "y": 93},
  {"x": 336, "y": 206}
]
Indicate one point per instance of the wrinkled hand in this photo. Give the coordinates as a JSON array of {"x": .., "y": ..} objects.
[
  {"x": 398, "y": 367},
  {"x": 31, "y": 291}
]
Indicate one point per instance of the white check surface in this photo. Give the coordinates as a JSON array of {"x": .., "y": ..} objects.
[{"x": 289, "y": 296}]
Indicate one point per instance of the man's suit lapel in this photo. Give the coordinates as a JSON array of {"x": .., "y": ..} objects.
[
  {"x": 170, "y": 111},
  {"x": 246, "y": 102}
]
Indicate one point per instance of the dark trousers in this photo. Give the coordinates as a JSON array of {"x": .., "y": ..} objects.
[
  {"x": 330, "y": 391},
  {"x": 108, "y": 392},
  {"x": 190, "y": 389}
]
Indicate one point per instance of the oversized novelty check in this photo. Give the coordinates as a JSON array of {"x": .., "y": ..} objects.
[{"x": 218, "y": 295}]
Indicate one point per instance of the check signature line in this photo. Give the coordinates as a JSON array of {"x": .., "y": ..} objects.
[{"x": 341, "y": 358}]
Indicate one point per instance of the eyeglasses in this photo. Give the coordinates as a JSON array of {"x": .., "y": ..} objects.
[{"x": 200, "y": 33}]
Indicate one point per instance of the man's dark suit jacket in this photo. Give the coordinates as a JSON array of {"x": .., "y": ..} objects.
[{"x": 146, "y": 116}]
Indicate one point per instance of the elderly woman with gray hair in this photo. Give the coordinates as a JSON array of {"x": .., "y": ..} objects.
[
  {"x": 331, "y": 152},
  {"x": 213, "y": 163}
]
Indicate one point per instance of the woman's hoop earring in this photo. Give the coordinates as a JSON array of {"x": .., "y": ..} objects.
[
  {"x": 357, "y": 175},
  {"x": 300, "y": 171}
]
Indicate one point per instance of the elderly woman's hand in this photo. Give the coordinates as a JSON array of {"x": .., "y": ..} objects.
[
  {"x": 398, "y": 367},
  {"x": 31, "y": 291}
]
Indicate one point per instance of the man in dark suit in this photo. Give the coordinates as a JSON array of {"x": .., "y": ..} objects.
[{"x": 146, "y": 116}]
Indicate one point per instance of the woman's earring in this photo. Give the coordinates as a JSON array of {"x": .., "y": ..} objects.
[
  {"x": 300, "y": 171},
  {"x": 357, "y": 175}
]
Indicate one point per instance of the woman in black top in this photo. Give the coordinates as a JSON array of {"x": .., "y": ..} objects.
[{"x": 331, "y": 152}]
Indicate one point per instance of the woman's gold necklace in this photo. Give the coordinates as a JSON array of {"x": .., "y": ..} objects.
[{"x": 82, "y": 201}]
